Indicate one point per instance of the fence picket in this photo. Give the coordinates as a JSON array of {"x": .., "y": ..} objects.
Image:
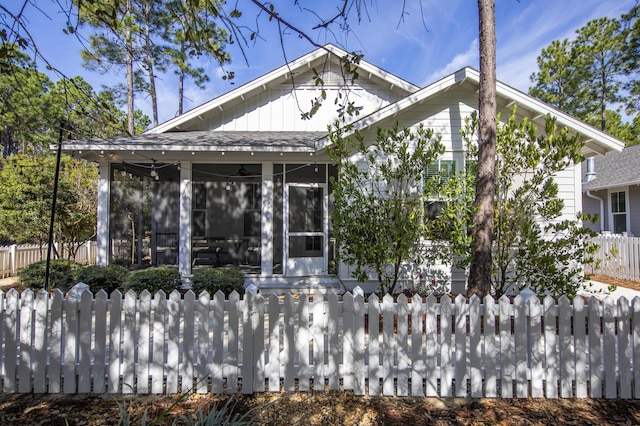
[
  {"x": 596, "y": 378},
  {"x": 55, "y": 339},
  {"x": 624, "y": 348},
  {"x": 550, "y": 348},
  {"x": 506, "y": 348},
  {"x": 100, "y": 342},
  {"x": 272, "y": 372},
  {"x": 418, "y": 364},
  {"x": 359, "y": 345},
  {"x": 521, "y": 347},
  {"x": 129, "y": 343},
  {"x": 248, "y": 312},
  {"x": 115, "y": 339},
  {"x": 85, "y": 331},
  {"x": 289, "y": 346},
  {"x": 70, "y": 309},
  {"x": 25, "y": 325},
  {"x": 218, "y": 370},
  {"x": 40, "y": 341},
  {"x": 431, "y": 346},
  {"x": 317, "y": 339},
  {"x": 232, "y": 355},
  {"x": 635, "y": 320},
  {"x": 579, "y": 332},
  {"x": 333, "y": 350},
  {"x": 374, "y": 345},
  {"x": 203, "y": 351},
  {"x": 536, "y": 345},
  {"x": 402, "y": 346},
  {"x": 475, "y": 348},
  {"x": 188, "y": 343},
  {"x": 11, "y": 335},
  {"x": 258, "y": 355},
  {"x": 173, "y": 342},
  {"x": 159, "y": 307},
  {"x": 388, "y": 345},
  {"x": 609, "y": 336},
  {"x": 490, "y": 347},
  {"x": 461, "y": 355},
  {"x": 302, "y": 346},
  {"x": 566, "y": 351},
  {"x": 446, "y": 361},
  {"x": 347, "y": 344},
  {"x": 144, "y": 341}
]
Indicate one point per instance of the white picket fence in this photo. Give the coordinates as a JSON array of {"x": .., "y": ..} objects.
[
  {"x": 519, "y": 348},
  {"x": 617, "y": 257},
  {"x": 14, "y": 258}
]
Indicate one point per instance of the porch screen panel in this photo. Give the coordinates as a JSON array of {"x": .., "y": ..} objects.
[{"x": 305, "y": 220}]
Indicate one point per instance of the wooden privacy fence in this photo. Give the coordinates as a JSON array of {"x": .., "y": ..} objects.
[
  {"x": 153, "y": 344},
  {"x": 14, "y": 258},
  {"x": 617, "y": 257}
]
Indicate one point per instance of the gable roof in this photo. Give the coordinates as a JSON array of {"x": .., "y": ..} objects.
[
  {"x": 615, "y": 169},
  {"x": 596, "y": 141},
  {"x": 279, "y": 75}
]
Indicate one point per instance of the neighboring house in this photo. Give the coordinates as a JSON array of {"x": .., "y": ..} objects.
[
  {"x": 243, "y": 180},
  {"x": 611, "y": 189}
]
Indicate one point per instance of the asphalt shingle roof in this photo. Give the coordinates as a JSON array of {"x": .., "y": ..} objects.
[
  {"x": 615, "y": 169},
  {"x": 301, "y": 140}
]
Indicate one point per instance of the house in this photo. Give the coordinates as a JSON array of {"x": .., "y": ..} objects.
[
  {"x": 243, "y": 180},
  {"x": 611, "y": 189}
]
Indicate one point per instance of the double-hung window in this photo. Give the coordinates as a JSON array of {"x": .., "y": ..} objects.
[
  {"x": 435, "y": 175},
  {"x": 619, "y": 212}
]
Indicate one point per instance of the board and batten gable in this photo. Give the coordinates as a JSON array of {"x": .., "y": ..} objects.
[
  {"x": 277, "y": 100},
  {"x": 280, "y": 107}
]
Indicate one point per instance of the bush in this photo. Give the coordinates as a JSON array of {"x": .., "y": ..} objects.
[
  {"x": 107, "y": 278},
  {"x": 153, "y": 280},
  {"x": 214, "y": 279},
  {"x": 62, "y": 274}
]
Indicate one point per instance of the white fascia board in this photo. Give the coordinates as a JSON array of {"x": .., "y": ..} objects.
[
  {"x": 607, "y": 142},
  {"x": 184, "y": 148}
]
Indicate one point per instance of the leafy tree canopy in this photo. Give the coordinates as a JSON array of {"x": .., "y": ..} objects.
[{"x": 25, "y": 199}]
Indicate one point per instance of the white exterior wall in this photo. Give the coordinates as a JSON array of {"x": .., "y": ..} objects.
[{"x": 446, "y": 115}]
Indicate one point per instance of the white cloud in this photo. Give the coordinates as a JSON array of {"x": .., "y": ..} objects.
[{"x": 461, "y": 60}]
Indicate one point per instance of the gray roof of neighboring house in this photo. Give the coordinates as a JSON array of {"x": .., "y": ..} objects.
[
  {"x": 268, "y": 140},
  {"x": 615, "y": 169}
]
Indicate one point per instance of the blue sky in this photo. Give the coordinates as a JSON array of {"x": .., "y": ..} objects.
[{"x": 432, "y": 39}]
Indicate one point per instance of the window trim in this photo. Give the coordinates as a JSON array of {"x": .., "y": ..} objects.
[{"x": 610, "y": 192}]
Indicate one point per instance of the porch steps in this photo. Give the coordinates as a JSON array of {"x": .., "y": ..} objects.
[{"x": 299, "y": 285}]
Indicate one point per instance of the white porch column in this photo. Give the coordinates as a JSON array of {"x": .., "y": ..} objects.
[
  {"x": 102, "y": 230},
  {"x": 184, "y": 240},
  {"x": 266, "y": 255}
]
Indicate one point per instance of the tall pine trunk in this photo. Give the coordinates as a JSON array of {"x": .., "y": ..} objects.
[
  {"x": 480, "y": 272},
  {"x": 129, "y": 48},
  {"x": 149, "y": 61},
  {"x": 181, "y": 80}
]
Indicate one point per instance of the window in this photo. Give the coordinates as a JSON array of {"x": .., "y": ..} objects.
[
  {"x": 441, "y": 170},
  {"x": 619, "y": 212}
]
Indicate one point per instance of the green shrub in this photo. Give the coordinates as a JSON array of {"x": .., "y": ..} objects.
[
  {"x": 214, "y": 279},
  {"x": 107, "y": 278},
  {"x": 153, "y": 280},
  {"x": 62, "y": 274}
]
